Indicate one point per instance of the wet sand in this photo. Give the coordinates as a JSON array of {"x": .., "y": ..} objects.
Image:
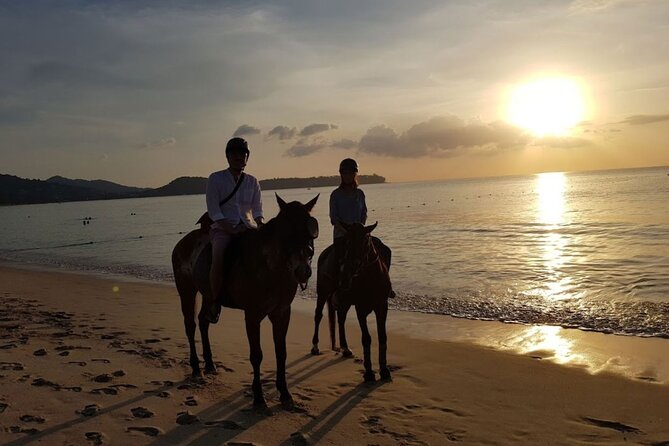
[{"x": 87, "y": 360}]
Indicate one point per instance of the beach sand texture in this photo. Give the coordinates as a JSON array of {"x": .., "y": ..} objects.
[{"x": 86, "y": 360}]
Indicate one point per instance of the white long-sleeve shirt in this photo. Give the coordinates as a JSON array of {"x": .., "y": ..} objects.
[{"x": 245, "y": 206}]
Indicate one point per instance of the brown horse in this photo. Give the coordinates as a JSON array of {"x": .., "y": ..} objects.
[
  {"x": 364, "y": 283},
  {"x": 263, "y": 270}
]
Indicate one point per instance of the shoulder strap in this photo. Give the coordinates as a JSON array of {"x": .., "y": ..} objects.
[{"x": 234, "y": 191}]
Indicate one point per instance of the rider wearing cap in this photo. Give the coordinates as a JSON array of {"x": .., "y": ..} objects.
[{"x": 242, "y": 210}]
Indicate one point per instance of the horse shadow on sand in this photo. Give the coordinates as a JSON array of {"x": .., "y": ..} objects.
[{"x": 225, "y": 420}]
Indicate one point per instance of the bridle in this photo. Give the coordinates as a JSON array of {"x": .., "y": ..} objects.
[{"x": 371, "y": 258}]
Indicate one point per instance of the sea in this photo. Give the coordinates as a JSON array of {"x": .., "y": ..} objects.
[{"x": 586, "y": 250}]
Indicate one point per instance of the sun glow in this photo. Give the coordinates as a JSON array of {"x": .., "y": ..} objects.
[{"x": 547, "y": 107}]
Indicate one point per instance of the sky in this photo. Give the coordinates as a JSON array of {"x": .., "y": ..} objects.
[{"x": 142, "y": 92}]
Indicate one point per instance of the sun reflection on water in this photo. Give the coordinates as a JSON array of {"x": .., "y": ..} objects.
[{"x": 551, "y": 208}]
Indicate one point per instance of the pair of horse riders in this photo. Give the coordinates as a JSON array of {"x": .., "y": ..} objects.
[{"x": 234, "y": 205}]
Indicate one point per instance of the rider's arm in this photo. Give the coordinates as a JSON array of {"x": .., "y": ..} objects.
[
  {"x": 363, "y": 211},
  {"x": 214, "y": 197},
  {"x": 256, "y": 204}
]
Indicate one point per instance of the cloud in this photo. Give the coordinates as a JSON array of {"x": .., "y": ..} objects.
[
  {"x": 302, "y": 148},
  {"x": 586, "y": 6},
  {"x": 344, "y": 144},
  {"x": 644, "y": 119},
  {"x": 245, "y": 129},
  {"x": 312, "y": 129},
  {"x": 441, "y": 136},
  {"x": 282, "y": 132},
  {"x": 159, "y": 144}
]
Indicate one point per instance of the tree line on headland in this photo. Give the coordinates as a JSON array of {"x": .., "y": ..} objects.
[{"x": 15, "y": 190}]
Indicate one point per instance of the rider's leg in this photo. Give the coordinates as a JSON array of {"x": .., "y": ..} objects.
[{"x": 219, "y": 242}]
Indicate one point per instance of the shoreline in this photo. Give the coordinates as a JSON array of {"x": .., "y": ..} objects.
[
  {"x": 442, "y": 390},
  {"x": 633, "y": 357}
]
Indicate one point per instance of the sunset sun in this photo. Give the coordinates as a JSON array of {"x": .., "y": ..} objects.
[{"x": 547, "y": 107}]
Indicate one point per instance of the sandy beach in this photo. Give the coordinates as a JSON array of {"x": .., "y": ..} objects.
[{"x": 89, "y": 360}]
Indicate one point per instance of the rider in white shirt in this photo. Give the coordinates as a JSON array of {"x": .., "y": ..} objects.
[{"x": 241, "y": 211}]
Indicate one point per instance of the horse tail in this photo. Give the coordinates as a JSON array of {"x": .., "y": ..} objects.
[{"x": 332, "y": 321}]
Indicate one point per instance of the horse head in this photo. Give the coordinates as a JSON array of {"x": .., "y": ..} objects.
[
  {"x": 359, "y": 252},
  {"x": 297, "y": 230}
]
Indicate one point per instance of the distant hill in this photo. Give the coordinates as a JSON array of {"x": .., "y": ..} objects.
[
  {"x": 180, "y": 186},
  {"x": 98, "y": 185},
  {"x": 292, "y": 183},
  {"x": 15, "y": 190}
]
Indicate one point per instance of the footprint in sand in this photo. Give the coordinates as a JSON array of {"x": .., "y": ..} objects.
[
  {"x": 79, "y": 363},
  {"x": 22, "y": 430},
  {"x": 105, "y": 390},
  {"x": 97, "y": 438},
  {"x": 3, "y": 407},
  {"x": 90, "y": 410},
  {"x": 190, "y": 401},
  {"x": 102, "y": 360},
  {"x": 104, "y": 378},
  {"x": 141, "y": 412},
  {"x": 32, "y": 419},
  {"x": 147, "y": 430},
  {"x": 187, "y": 418},
  {"x": 40, "y": 352}
]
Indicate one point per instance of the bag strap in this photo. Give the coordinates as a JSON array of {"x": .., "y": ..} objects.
[{"x": 234, "y": 191}]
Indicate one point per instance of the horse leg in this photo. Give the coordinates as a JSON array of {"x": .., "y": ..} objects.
[
  {"x": 342, "y": 312},
  {"x": 366, "y": 345},
  {"x": 209, "y": 366},
  {"x": 187, "y": 297},
  {"x": 332, "y": 324},
  {"x": 318, "y": 316},
  {"x": 253, "y": 335},
  {"x": 381, "y": 315},
  {"x": 280, "y": 320}
]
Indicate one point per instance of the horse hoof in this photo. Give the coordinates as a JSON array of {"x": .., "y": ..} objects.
[
  {"x": 288, "y": 404},
  {"x": 385, "y": 375},
  {"x": 369, "y": 377},
  {"x": 261, "y": 408},
  {"x": 347, "y": 353},
  {"x": 196, "y": 374},
  {"x": 315, "y": 351},
  {"x": 210, "y": 370}
]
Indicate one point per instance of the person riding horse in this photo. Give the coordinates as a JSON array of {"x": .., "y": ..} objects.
[
  {"x": 348, "y": 206},
  {"x": 234, "y": 205}
]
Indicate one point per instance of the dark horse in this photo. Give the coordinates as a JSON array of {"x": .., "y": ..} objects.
[
  {"x": 364, "y": 283},
  {"x": 263, "y": 270}
]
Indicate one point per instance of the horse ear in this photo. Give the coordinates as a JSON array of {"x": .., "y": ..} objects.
[
  {"x": 309, "y": 206},
  {"x": 370, "y": 228},
  {"x": 345, "y": 226},
  {"x": 280, "y": 201}
]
